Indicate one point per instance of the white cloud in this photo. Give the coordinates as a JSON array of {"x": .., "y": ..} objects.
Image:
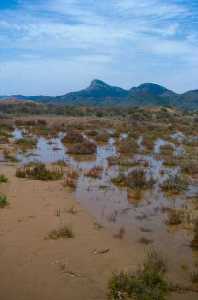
[{"x": 109, "y": 34}]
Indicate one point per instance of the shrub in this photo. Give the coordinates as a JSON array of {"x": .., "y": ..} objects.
[
  {"x": 9, "y": 156},
  {"x": 84, "y": 148},
  {"x": 3, "y": 178},
  {"x": 175, "y": 217},
  {"x": 3, "y": 201},
  {"x": 128, "y": 146},
  {"x": 71, "y": 179},
  {"x": 174, "y": 184},
  {"x": 73, "y": 137},
  {"x": 190, "y": 167},
  {"x": 148, "y": 283},
  {"x": 95, "y": 172},
  {"x": 120, "y": 180},
  {"x": 26, "y": 143},
  {"x": 194, "y": 243},
  {"x": 167, "y": 150},
  {"x": 39, "y": 171},
  {"x": 194, "y": 275},
  {"x": 64, "y": 232},
  {"x": 137, "y": 179}
]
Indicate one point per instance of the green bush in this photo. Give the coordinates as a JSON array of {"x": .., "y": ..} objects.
[
  {"x": 39, "y": 171},
  {"x": 3, "y": 201},
  {"x": 3, "y": 178},
  {"x": 148, "y": 283}
]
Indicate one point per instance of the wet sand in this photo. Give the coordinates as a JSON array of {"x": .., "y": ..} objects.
[{"x": 33, "y": 267}]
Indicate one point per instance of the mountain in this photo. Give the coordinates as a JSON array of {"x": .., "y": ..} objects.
[
  {"x": 148, "y": 94},
  {"x": 100, "y": 93},
  {"x": 189, "y": 99},
  {"x": 97, "y": 93}
]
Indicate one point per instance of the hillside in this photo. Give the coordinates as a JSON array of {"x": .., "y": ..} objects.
[{"x": 100, "y": 93}]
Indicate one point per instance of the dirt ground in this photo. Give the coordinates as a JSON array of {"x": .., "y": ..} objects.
[{"x": 33, "y": 267}]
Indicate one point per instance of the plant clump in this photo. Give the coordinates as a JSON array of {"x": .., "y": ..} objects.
[
  {"x": 137, "y": 179},
  {"x": 95, "y": 172},
  {"x": 3, "y": 201},
  {"x": 39, "y": 171},
  {"x": 175, "y": 217},
  {"x": 64, "y": 232},
  {"x": 84, "y": 148},
  {"x": 26, "y": 143},
  {"x": 3, "y": 178},
  {"x": 194, "y": 242},
  {"x": 174, "y": 184},
  {"x": 148, "y": 283},
  {"x": 73, "y": 137},
  {"x": 71, "y": 179}
]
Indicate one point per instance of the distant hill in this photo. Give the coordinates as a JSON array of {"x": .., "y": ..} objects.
[{"x": 100, "y": 93}]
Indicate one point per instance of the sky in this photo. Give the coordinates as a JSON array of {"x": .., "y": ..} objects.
[{"x": 51, "y": 47}]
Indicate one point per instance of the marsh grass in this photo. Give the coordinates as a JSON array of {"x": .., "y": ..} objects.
[
  {"x": 174, "y": 184},
  {"x": 135, "y": 180},
  {"x": 26, "y": 143},
  {"x": 71, "y": 179},
  {"x": 9, "y": 156},
  {"x": 128, "y": 147},
  {"x": 138, "y": 180},
  {"x": 175, "y": 217},
  {"x": 73, "y": 137},
  {"x": 194, "y": 242},
  {"x": 84, "y": 148},
  {"x": 64, "y": 232},
  {"x": 3, "y": 201},
  {"x": 194, "y": 275},
  {"x": 95, "y": 172},
  {"x": 148, "y": 283},
  {"x": 3, "y": 178},
  {"x": 39, "y": 171}
]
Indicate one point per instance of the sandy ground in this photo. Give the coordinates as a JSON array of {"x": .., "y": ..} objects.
[{"x": 33, "y": 267}]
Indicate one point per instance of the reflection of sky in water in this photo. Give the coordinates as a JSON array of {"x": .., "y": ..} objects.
[{"x": 105, "y": 201}]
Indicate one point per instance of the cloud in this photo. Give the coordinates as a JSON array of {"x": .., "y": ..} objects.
[{"x": 117, "y": 36}]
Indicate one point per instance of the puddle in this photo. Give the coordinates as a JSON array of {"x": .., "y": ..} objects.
[{"x": 108, "y": 203}]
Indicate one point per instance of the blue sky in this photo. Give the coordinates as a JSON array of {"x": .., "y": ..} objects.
[{"x": 51, "y": 47}]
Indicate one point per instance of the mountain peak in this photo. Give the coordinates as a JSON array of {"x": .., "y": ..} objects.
[{"x": 96, "y": 83}]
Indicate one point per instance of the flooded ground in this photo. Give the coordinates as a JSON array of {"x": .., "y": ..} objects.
[
  {"x": 112, "y": 206},
  {"x": 138, "y": 187}
]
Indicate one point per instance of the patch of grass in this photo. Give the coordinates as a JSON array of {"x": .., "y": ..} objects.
[
  {"x": 95, "y": 172},
  {"x": 148, "y": 283},
  {"x": 138, "y": 180},
  {"x": 128, "y": 146},
  {"x": 194, "y": 243},
  {"x": 167, "y": 150},
  {"x": 3, "y": 201},
  {"x": 39, "y": 171},
  {"x": 9, "y": 156},
  {"x": 3, "y": 178},
  {"x": 175, "y": 217},
  {"x": 174, "y": 184},
  {"x": 26, "y": 143},
  {"x": 73, "y": 137},
  {"x": 194, "y": 274},
  {"x": 71, "y": 179},
  {"x": 64, "y": 232},
  {"x": 190, "y": 167},
  {"x": 135, "y": 180},
  {"x": 120, "y": 180},
  {"x": 84, "y": 148}
]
